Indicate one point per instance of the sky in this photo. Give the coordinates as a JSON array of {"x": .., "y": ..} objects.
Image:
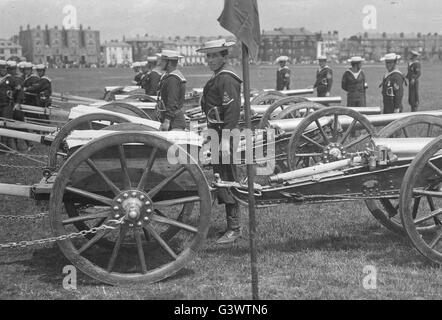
[{"x": 115, "y": 18}]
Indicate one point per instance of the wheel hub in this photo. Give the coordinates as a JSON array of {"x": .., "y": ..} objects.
[
  {"x": 333, "y": 152},
  {"x": 134, "y": 206}
]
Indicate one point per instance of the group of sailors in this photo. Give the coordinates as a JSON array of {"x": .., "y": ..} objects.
[
  {"x": 22, "y": 83},
  {"x": 354, "y": 81}
]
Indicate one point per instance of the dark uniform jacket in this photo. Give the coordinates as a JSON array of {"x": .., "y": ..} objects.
[
  {"x": 150, "y": 83},
  {"x": 172, "y": 92},
  {"x": 43, "y": 91},
  {"x": 355, "y": 85},
  {"x": 6, "y": 96},
  {"x": 283, "y": 78},
  {"x": 29, "y": 97},
  {"x": 324, "y": 81},
  {"x": 414, "y": 70},
  {"x": 414, "y": 73},
  {"x": 393, "y": 91},
  {"x": 138, "y": 78},
  {"x": 18, "y": 91}
]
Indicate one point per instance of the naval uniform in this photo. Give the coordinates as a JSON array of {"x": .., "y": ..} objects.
[
  {"x": 138, "y": 78},
  {"x": 283, "y": 78},
  {"x": 223, "y": 91},
  {"x": 7, "y": 87},
  {"x": 393, "y": 91},
  {"x": 324, "y": 81},
  {"x": 150, "y": 83},
  {"x": 42, "y": 89},
  {"x": 355, "y": 85},
  {"x": 172, "y": 93},
  {"x": 30, "y": 99},
  {"x": 414, "y": 72}
]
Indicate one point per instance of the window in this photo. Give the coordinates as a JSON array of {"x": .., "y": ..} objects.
[
  {"x": 2, "y": 51},
  {"x": 13, "y": 51}
]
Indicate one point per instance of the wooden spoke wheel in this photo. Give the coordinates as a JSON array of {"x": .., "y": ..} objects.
[
  {"x": 92, "y": 121},
  {"x": 126, "y": 108},
  {"x": 299, "y": 110},
  {"x": 267, "y": 97},
  {"x": 328, "y": 135},
  {"x": 141, "y": 186},
  {"x": 386, "y": 211},
  {"x": 141, "y": 97},
  {"x": 423, "y": 181},
  {"x": 276, "y": 107}
]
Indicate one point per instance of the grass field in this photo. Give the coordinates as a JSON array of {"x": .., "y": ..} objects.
[{"x": 304, "y": 252}]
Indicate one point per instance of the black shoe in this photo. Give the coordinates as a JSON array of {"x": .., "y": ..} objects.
[{"x": 229, "y": 236}]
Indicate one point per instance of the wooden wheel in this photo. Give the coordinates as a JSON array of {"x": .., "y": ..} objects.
[
  {"x": 142, "y": 187},
  {"x": 85, "y": 122},
  {"x": 423, "y": 222},
  {"x": 141, "y": 97},
  {"x": 126, "y": 108},
  {"x": 267, "y": 97},
  {"x": 328, "y": 135},
  {"x": 278, "y": 105},
  {"x": 386, "y": 211},
  {"x": 299, "y": 110}
]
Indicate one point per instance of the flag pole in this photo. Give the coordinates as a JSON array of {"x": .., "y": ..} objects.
[{"x": 251, "y": 176}]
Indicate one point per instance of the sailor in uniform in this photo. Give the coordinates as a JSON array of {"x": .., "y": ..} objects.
[
  {"x": 324, "y": 78},
  {"x": 283, "y": 74},
  {"x": 413, "y": 75},
  {"x": 354, "y": 83},
  {"x": 151, "y": 81},
  {"x": 392, "y": 85}
]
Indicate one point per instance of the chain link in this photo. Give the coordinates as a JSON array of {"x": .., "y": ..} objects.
[
  {"x": 25, "y": 244},
  {"x": 21, "y": 218}
]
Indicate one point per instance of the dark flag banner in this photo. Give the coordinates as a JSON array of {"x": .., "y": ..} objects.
[{"x": 241, "y": 18}]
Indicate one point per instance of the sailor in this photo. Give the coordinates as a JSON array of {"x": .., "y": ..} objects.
[
  {"x": 7, "y": 87},
  {"x": 29, "y": 79},
  {"x": 18, "y": 81},
  {"x": 138, "y": 74},
  {"x": 172, "y": 90},
  {"x": 413, "y": 75},
  {"x": 353, "y": 81},
  {"x": 223, "y": 93},
  {"x": 392, "y": 85},
  {"x": 324, "y": 78},
  {"x": 42, "y": 89},
  {"x": 151, "y": 81},
  {"x": 283, "y": 74}
]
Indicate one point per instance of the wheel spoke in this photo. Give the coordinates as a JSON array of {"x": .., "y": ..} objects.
[
  {"x": 109, "y": 183},
  {"x": 173, "y": 202},
  {"x": 321, "y": 130},
  {"x": 436, "y": 239},
  {"x": 152, "y": 193},
  {"x": 85, "y": 218},
  {"x": 429, "y": 216},
  {"x": 351, "y": 144},
  {"x": 175, "y": 223},
  {"x": 93, "y": 241},
  {"x": 335, "y": 127},
  {"x": 123, "y": 162},
  {"x": 404, "y": 130},
  {"x": 140, "y": 250},
  {"x": 419, "y": 192},
  {"x": 308, "y": 155},
  {"x": 436, "y": 169},
  {"x": 349, "y": 130},
  {"x": 312, "y": 141},
  {"x": 430, "y": 128},
  {"x": 116, "y": 250},
  {"x": 90, "y": 195},
  {"x": 147, "y": 170},
  {"x": 416, "y": 203},
  {"x": 162, "y": 243}
]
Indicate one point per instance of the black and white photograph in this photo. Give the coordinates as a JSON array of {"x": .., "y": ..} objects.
[{"x": 237, "y": 152}]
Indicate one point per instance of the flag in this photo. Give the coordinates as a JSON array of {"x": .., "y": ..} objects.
[{"x": 241, "y": 18}]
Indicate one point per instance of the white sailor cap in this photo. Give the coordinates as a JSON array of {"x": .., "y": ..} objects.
[
  {"x": 143, "y": 64},
  {"x": 322, "y": 58},
  {"x": 27, "y": 65},
  {"x": 356, "y": 59},
  {"x": 136, "y": 64},
  {"x": 391, "y": 57},
  {"x": 282, "y": 59},
  {"x": 40, "y": 67},
  {"x": 3, "y": 63},
  {"x": 152, "y": 59},
  {"x": 415, "y": 53},
  {"x": 216, "y": 46},
  {"x": 170, "y": 55},
  {"x": 12, "y": 64}
]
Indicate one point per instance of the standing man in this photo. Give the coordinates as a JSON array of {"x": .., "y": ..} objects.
[
  {"x": 42, "y": 89},
  {"x": 30, "y": 79},
  {"x": 353, "y": 81},
  {"x": 7, "y": 87},
  {"x": 151, "y": 81},
  {"x": 283, "y": 74},
  {"x": 172, "y": 90},
  {"x": 324, "y": 78},
  {"x": 392, "y": 85},
  {"x": 138, "y": 74},
  {"x": 223, "y": 92},
  {"x": 413, "y": 75}
]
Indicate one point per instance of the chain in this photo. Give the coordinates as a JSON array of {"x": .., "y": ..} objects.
[
  {"x": 25, "y": 244},
  {"x": 21, "y": 218},
  {"x": 11, "y": 166}
]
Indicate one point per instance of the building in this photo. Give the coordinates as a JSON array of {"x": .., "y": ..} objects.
[
  {"x": 9, "y": 49},
  {"x": 59, "y": 47},
  {"x": 328, "y": 44},
  {"x": 117, "y": 53},
  {"x": 143, "y": 47}
]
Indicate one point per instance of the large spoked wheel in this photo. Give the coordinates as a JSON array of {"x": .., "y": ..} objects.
[
  {"x": 267, "y": 97},
  {"x": 141, "y": 97},
  {"x": 126, "y": 108},
  {"x": 422, "y": 180},
  {"x": 299, "y": 110},
  {"x": 328, "y": 135},
  {"x": 386, "y": 211},
  {"x": 94, "y": 121},
  {"x": 141, "y": 187},
  {"x": 276, "y": 107}
]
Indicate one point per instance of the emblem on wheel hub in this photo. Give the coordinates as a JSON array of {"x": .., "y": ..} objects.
[{"x": 135, "y": 206}]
